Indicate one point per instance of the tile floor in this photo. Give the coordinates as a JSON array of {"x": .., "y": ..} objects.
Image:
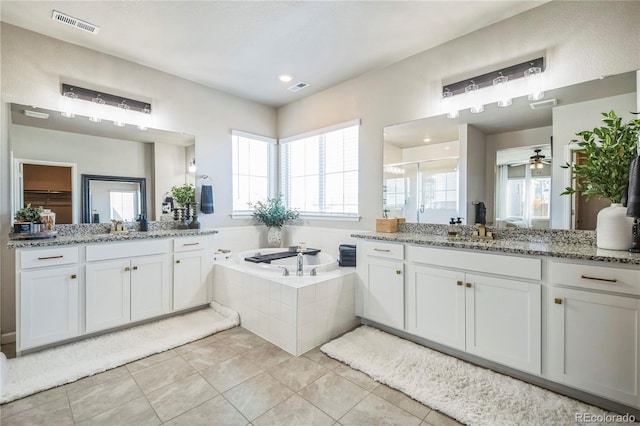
[{"x": 230, "y": 378}]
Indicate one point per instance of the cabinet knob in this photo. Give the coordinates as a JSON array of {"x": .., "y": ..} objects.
[
  {"x": 74, "y": 276},
  {"x": 460, "y": 283},
  {"x": 177, "y": 261},
  {"x": 557, "y": 301},
  {"x": 398, "y": 272},
  {"x": 127, "y": 269},
  {"x": 135, "y": 268},
  {"x": 468, "y": 285}
]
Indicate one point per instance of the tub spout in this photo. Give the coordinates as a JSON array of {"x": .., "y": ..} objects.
[{"x": 300, "y": 263}]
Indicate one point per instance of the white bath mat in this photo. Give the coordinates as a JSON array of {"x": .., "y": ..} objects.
[
  {"x": 65, "y": 364},
  {"x": 472, "y": 395}
]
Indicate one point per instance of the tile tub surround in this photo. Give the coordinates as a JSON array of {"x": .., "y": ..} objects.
[
  {"x": 294, "y": 313},
  {"x": 553, "y": 243},
  {"x": 100, "y": 234}
]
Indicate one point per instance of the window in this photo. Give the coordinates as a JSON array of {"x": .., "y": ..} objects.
[
  {"x": 253, "y": 159},
  {"x": 319, "y": 171},
  {"x": 122, "y": 205}
]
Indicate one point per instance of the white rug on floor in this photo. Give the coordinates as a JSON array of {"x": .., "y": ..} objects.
[
  {"x": 470, "y": 394},
  {"x": 65, "y": 364}
]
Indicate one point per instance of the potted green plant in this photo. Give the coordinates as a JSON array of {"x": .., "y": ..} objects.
[
  {"x": 25, "y": 218},
  {"x": 608, "y": 151},
  {"x": 184, "y": 194},
  {"x": 274, "y": 215}
]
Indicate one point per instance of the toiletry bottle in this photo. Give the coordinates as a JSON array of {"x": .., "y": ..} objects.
[
  {"x": 452, "y": 228},
  {"x": 144, "y": 223}
]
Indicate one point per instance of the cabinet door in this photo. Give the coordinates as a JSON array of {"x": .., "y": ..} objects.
[
  {"x": 436, "y": 305},
  {"x": 384, "y": 299},
  {"x": 150, "y": 286},
  {"x": 503, "y": 321},
  {"x": 593, "y": 343},
  {"x": 189, "y": 279},
  {"x": 108, "y": 294},
  {"x": 48, "y": 306}
]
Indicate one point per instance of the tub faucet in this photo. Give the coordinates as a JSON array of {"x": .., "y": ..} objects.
[
  {"x": 299, "y": 268},
  {"x": 285, "y": 271}
]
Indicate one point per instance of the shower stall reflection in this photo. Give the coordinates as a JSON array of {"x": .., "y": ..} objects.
[{"x": 423, "y": 191}]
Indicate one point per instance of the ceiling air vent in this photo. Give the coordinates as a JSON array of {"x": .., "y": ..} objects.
[
  {"x": 74, "y": 22},
  {"x": 298, "y": 86},
  {"x": 544, "y": 104}
]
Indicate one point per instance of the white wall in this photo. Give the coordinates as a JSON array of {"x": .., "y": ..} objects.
[
  {"x": 34, "y": 66},
  {"x": 472, "y": 166},
  {"x": 578, "y": 38},
  {"x": 169, "y": 170},
  {"x": 567, "y": 121},
  {"x": 529, "y": 137}
]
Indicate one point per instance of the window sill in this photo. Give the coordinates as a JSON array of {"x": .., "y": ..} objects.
[{"x": 332, "y": 217}]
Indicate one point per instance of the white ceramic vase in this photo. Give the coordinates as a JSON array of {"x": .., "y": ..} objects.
[
  {"x": 274, "y": 236},
  {"x": 613, "y": 229}
]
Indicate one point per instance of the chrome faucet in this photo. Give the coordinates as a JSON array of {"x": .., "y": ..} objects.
[
  {"x": 299, "y": 264},
  {"x": 285, "y": 271}
]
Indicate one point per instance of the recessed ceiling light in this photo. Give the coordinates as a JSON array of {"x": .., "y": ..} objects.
[
  {"x": 447, "y": 147},
  {"x": 426, "y": 140},
  {"x": 285, "y": 78}
]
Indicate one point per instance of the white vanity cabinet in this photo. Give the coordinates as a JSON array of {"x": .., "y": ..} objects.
[
  {"x": 48, "y": 296},
  {"x": 594, "y": 329},
  {"x": 191, "y": 271},
  {"x": 126, "y": 282},
  {"x": 381, "y": 283},
  {"x": 436, "y": 305},
  {"x": 496, "y": 318}
]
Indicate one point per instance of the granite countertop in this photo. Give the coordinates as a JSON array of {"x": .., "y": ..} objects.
[
  {"x": 83, "y": 238},
  {"x": 541, "y": 248}
]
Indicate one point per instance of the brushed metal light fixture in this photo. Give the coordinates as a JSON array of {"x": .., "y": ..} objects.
[
  {"x": 96, "y": 106},
  {"x": 500, "y": 80}
]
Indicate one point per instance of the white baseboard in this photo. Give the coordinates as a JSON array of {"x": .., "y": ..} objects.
[{"x": 8, "y": 338}]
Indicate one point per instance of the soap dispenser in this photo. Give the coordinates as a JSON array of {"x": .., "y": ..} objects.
[{"x": 453, "y": 229}]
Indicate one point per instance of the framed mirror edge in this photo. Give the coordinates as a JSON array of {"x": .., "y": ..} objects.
[{"x": 86, "y": 191}]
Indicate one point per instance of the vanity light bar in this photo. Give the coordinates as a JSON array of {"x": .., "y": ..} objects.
[
  {"x": 485, "y": 80},
  {"x": 111, "y": 100}
]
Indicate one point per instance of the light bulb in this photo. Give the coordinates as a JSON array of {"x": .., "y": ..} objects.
[
  {"x": 96, "y": 109},
  {"x": 502, "y": 90},
  {"x": 69, "y": 104},
  {"x": 448, "y": 105},
  {"x": 474, "y": 99},
  {"x": 534, "y": 83},
  {"x": 121, "y": 114}
]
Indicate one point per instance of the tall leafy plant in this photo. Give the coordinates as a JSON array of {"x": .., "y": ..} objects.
[
  {"x": 608, "y": 151},
  {"x": 273, "y": 213}
]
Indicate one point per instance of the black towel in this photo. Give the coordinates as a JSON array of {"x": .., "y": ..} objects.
[
  {"x": 206, "y": 199},
  {"x": 631, "y": 199}
]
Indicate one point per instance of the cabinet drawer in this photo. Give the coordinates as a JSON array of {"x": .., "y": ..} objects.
[
  {"x": 126, "y": 249},
  {"x": 387, "y": 250},
  {"x": 513, "y": 266},
  {"x": 37, "y": 258},
  {"x": 596, "y": 277},
  {"x": 189, "y": 243}
]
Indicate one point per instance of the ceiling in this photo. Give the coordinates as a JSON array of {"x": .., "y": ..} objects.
[{"x": 240, "y": 47}]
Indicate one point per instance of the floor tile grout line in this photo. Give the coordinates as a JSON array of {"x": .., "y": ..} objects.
[{"x": 110, "y": 408}]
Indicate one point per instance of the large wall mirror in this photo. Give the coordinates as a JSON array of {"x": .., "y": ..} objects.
[
  {"x": 51, "y": 153},
  {"x": 437, "y": 168}
]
